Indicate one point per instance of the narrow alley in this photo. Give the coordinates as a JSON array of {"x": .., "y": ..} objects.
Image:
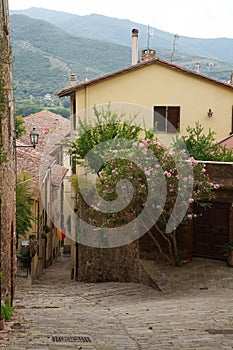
[{"x": 58, "y": 313}]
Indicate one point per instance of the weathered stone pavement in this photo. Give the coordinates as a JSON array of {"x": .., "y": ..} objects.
[{"x": 57, "y": 313}]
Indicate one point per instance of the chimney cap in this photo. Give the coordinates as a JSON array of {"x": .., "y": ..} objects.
[{"x": 135, "y": 31}]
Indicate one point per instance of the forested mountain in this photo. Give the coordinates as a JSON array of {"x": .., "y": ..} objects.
[
  {"x": 45, "y": 55},
  {"x": 117, "y": 30}
]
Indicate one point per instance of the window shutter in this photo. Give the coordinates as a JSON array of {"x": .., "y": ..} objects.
[
  {"x": 160, "y": 118},
  {"x": 173, "y": 118}
]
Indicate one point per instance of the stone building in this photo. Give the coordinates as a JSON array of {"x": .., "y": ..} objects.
[
  {"x": 7, "y": 160},
  {"x": 47, "y": 168}
]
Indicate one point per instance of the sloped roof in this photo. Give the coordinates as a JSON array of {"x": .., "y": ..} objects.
[
  {"x": 58, "y": 173},
  {"x": 70, "y": 90},
  {"x": 228, "y": 141},
  {"x": 52, "y": 129}
]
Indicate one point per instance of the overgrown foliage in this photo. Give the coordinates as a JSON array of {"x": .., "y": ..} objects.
[
  {"x": 4, "y": 61},
  {"x": 7, "y": 310},
  {"x": 19, "y": 126},
  {"x": 164, "y": 180},
  {"x": 24, "y": 201},
  {"x": 203, "y": 146},
  {"x": 107, "y": 125}
]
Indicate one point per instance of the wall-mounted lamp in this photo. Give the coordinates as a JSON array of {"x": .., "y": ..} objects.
[
  {"x": 210, "y": 113},
  {"x": 34, "y": 138}
]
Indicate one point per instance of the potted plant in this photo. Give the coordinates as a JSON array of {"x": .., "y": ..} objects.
[{"x": 228, "y": 253}]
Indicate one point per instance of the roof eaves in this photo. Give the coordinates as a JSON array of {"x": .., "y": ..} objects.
[
  {"x": 71, "y": 90},
  {"x": 226, "y": 138}
]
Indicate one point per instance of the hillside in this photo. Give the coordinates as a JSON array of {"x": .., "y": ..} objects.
[
  {"x": 117, "y": 30},
  {"x": 45, "y": 55}
]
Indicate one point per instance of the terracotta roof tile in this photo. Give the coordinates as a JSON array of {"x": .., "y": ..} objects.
[
  {"x": 228, "y": 141},
  {"x": 52, "y": 129},
  {"x": 58, "y": 173}
]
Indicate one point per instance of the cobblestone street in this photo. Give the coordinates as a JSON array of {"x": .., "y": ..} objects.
[{"x": 57, "y": 313}]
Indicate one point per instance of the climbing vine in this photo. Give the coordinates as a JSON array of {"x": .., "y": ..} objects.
[{"x": 5, "y": 59}]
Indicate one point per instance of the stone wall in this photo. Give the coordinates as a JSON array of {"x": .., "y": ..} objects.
[
  {"x": 123, "y": 263},
  {"x": 7, "y": 160},
  {"x": 118, "y": 264}
]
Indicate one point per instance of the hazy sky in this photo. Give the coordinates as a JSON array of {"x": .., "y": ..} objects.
[{"x": 199, "y": 18}]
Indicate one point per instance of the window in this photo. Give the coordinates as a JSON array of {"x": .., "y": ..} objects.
[{"x": 167, "y": 119}]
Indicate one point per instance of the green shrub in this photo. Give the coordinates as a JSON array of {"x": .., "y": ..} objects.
[{"x": 7, "y": 310}]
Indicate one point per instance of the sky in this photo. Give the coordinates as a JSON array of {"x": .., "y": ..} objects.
[{"x": 199, "y": 18}]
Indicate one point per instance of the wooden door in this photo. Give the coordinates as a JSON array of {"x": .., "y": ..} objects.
[{"x": 211, "y": 231}]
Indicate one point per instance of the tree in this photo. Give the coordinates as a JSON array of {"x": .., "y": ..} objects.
[
  {"x": 171, "y": 196},
  {"x": 204, "y": 146},
  {"x": 19, "y": 126},
  {"x": 24, "y": 202},
  {"x": 107, "y": 125},
  {"x": 139, "y": 180}
]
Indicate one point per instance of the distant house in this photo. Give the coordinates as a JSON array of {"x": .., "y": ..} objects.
[{"x": 48, "y": 97}]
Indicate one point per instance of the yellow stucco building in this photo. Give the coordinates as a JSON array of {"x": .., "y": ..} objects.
[{"x": 153, "y": 87}]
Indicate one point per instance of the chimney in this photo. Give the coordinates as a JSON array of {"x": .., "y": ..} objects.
[
  {"x": 72, "y": 79},
  {"x": 134, "y": 46},
  {"x": 148, "y": 54}
]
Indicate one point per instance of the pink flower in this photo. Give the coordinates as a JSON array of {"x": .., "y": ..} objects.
[
  {"x": 144, "y": 142},
  {"x": 203, "y": 170},
  {"x": 190, "y": 216},
  {"x": 191, "y": 200},
  {"x": 193, "y": 160},
  {"x": 216, "y": 186},
  {"x": 166, "y": 173}
]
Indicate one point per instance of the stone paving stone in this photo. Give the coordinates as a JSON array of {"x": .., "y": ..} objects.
[{"x": 125, "y": 316}]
